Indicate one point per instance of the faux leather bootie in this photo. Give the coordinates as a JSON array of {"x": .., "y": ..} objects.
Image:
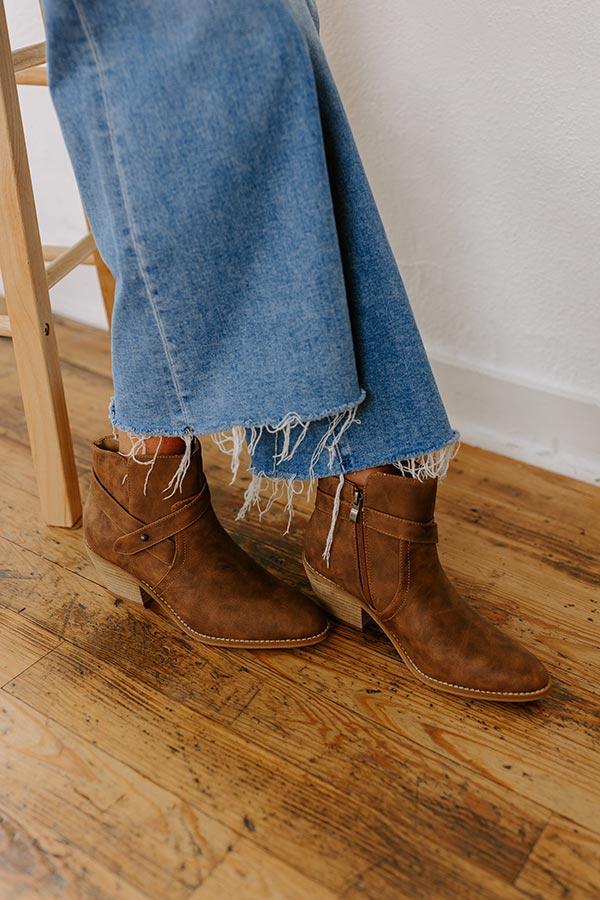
[
  {"x": 384, "y": 562},
  {"x": 174, "y": 551}
]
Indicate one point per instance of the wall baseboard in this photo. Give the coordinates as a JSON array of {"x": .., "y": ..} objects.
[{"x": 526, "y": 422}]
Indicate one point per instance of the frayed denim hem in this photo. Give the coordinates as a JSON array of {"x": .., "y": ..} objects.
[
  {"x": 232, "y": 440},
  {"x": 154, "y": 429},
  {"x": 265, "y": 489}
]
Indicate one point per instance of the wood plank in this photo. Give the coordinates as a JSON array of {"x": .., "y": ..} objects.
[
  {"x": 520, "y": 542},
  {"x": 54, "y": 784},
  {"x": 38, "y": 865},
  {"x": 338, "y": 747},
  {"x": 248, "y": 872},
  {"x": 83, "y": 612},
  {"x": 564, "y": 863},
  {"x": 287, "y": 813},
  {"x": 309, "y": 822},
  {"x": 53, "y": 251},
  {"x": 517, "y": 764},
  {"x": 528, "y": 751},
  {"x": 386, "y": 881},
  {"x": 22, "y": 643}
]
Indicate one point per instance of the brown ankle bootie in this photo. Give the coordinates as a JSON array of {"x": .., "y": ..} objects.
[
  {"x": 384, "y": 562},
  {"x": 174, "y": 551}
]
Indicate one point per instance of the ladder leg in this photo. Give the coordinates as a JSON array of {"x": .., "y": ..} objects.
[
  {"x": 107, "y": 285},
  {"x": 28, "y": 306},
  {"x": 105, "y": 280}
]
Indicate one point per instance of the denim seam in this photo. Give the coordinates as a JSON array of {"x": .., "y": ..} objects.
[{"x": 127, "y": 207}]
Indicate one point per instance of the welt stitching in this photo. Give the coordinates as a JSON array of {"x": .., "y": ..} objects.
[
  {"x": 228, "y": 639},
  {"x": 460, "y": 687},
  {"x": 378, "y": 512},
  {"x": 213, "y": 637},
  {"x": 393, "y": 535},
  {"x": 402, "y": 604}
]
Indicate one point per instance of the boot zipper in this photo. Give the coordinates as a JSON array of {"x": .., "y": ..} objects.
[
  {"x": 357, "y": 499},
  {"x": 357, "y": 502}
]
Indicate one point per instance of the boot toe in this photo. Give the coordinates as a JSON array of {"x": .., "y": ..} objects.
[
  {"x": 527, "y": 675},
  {"x": 299, "y": 618},
  {"x": 516, "y": 674}
]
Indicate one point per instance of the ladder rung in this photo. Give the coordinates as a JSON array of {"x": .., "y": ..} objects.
[
  {"x": 26, "y": 57},
  {"x": 34, "y": 75},
  {"x": 52, "y": 251},
  {"x": 5, "y": 330},
  {"x": 73, "y": 256}
]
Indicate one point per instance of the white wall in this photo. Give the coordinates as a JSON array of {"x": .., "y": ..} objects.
[{"x": 479, "y": 125}]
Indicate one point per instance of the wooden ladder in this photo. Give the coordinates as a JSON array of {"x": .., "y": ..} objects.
[{"x": 29, "y": 270}]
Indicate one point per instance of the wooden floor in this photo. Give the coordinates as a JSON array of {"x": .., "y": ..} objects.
[{"x": 136, "y": 763}]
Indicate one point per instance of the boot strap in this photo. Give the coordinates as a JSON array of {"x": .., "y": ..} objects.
[
  {"x": 147, "y": 536},
  {"x": 393, "y": 526},
  {"x": 401, "y": 529}
]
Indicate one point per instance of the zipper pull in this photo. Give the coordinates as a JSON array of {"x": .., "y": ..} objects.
[{"x": 357, "y": 499}]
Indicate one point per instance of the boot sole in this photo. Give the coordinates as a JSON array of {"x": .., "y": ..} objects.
[
  {"x": 347, "y": 608},
  {"x": 124, "y": 586}
]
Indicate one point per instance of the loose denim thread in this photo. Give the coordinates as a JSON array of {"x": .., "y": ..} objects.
[
  {"x": 138, "y": 445},
  {"x": 427, "y": 465},
  {"x": 233, "y": 444},
  {"x": 279, "y": 487},
  {"x": 433, "y": 464},
  {"x": 232, "y": 441},
  {"x": 334, "y": 517}
]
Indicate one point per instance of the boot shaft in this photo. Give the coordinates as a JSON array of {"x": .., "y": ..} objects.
[
  {"x": 140, "y": 484},
  {"x": 379, "y": 530}
]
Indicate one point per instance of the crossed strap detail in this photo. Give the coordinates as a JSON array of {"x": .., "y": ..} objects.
[
  {"x": 137, "y": 535},
  {"x": 148, "y": 535}
]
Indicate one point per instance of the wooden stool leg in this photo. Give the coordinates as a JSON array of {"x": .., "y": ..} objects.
[
  {"x": 105, "y": 280},
  {"x": 28, "y": 306},
  {"x": 107, "y": 285}
]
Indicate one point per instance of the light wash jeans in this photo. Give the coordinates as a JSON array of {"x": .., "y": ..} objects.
[{"x": 257, "y": 293}]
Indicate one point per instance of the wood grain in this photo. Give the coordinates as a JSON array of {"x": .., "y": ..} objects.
[
  {"x": 21, "y": 643},
  {"x": 251, "y": 873},
  {"x": 28, "y": 302},
  {"x": 54, "y": 783},
  {"x": 564, "y": 863},
  {"x": 326, "y": 772}
]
